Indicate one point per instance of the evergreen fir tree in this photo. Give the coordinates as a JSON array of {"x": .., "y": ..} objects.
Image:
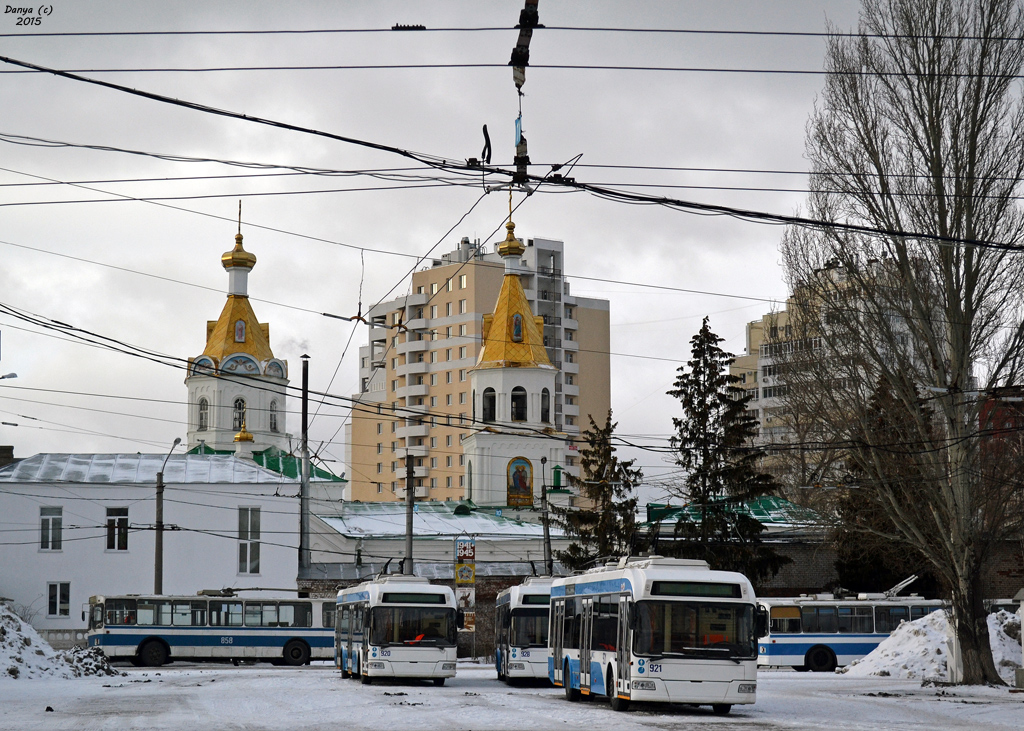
[
  {"x": 713, "y": 443},
  {"x": 605, "y": 525}
]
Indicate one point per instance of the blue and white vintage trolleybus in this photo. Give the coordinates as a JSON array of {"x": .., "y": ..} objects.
[
  {"x": 521, "y": 630},
  {"x": 819, "y": 632},
  {"x": 396, "y": 626},
  {"x": 214, "y": 625},
  {"x": 655, "y": 629}
]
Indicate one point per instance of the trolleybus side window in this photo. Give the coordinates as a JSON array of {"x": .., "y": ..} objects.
[
  {"x": 329, "y": 613},
  {"x": 154, "y": 612},
  {"x": 295, "y": 614},
  {"x": 888, "y": 619},
  {"x": 120, "y": 611},
  {"x": 571, "y": 624},
  {"x": 189, "y": 614},
  {"x": 857, "y": 620},
  {"x": 819, "y": 619},
  {"x": 225, "y": 614},
  {"x": 606, "y": 624},
  {"x": 918, "y": 612},
  {"x": 785, "y": 620}
]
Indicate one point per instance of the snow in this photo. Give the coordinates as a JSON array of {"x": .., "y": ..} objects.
[
  {"x": 26, "y": 655},
  {"x": 918, "y": 649},
  {"x": 132, "y": 469},
  {"x": 314, "y": 698}
]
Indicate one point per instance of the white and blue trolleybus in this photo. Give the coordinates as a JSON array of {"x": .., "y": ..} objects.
[
  {"x": 655, "y": 629},
  {"x": 396, "y": 626},
  {"x": 151, "y": 630},
  {"x": 819, "y": 632},
  {"x": 521, "y": 630}
]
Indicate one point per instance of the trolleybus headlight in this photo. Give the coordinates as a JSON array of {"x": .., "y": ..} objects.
[
  {"x": 448, "y": 666},
  {"x": 643, "y": 685},
  {"x": 375, "y": 665},
  {"x": 747, "y": 688}
]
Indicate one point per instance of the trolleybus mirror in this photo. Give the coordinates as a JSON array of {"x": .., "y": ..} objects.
[
  {"x": 460, "y": 618},
  {"x": 761, "y": 622}
]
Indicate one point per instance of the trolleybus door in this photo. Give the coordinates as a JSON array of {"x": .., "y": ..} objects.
[
  {"x": 585, "y": 641},
  {"x": 350, "y": 632},
  {"x": 622, "y": 649},
  {"x": 555, "y": 631}
]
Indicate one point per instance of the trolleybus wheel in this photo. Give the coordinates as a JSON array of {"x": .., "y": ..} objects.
[
  {"x": 721, "y": 709},
  {"x": 439, "y": 682},
  {"x": 571, "y": 694},
  {"x": 296, "y": 652},
  {"x": 820, "y": 659},
  {"x": 617, "y": 704},
  {"x": 153, "y": 654}
]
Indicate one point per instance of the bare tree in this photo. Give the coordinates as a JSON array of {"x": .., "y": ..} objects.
[{"x": 920, "y": 128}]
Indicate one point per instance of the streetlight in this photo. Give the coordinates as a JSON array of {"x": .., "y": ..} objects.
[
  {"x": 548, "y": 567},
  {"x": 158, "y": 553}
]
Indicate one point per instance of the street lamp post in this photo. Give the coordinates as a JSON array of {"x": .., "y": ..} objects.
[
  {"x": 158, "y": 552},
  {"x": 548, "y": 567}
]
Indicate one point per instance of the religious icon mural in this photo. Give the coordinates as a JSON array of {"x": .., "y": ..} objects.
[
  {"x": 517, "y": 328},
  {"x": 240, "y": 331},
  {"x": 520, "y": 482}
]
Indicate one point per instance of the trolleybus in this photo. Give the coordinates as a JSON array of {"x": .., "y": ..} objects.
[
  {"x": 819, "y": 632},
  {"x": 396, "y": 626},
  {"x": 655, "y": 629},
  {"x": 521, "y": 630},
  {"x": 152, "y": 630}
]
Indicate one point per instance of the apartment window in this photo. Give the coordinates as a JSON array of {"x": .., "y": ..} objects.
[
  {"x": 380, "y": 487},
  {"x": 569, "y": 379},
  {"x": 51, "y": 531},
  {"x": 433, "y": 311},
  {"x": 448, "y": 285},
  {"x": 238, "y": 414},
  {"x": 462, "y": 352},
  {"x": 394, "y": 386},
  {"x": 394, "y": 363},
  {"x": 448, "y": 332},
  {"x": 204, "y": 415},
  {"x": 396, "y": 317},
  {"x": 569, "y": 357},
  {"x": 570, "y": 420},
  {"x": 448, "y": 308},
  {"x": 448, "y": 399},
  {"x": 448, "y": 440},
  {"x": 462, "y": 397},
  {"x": 448, "y": 482},
  {"x": 394, "y": 466},
  {"x": 433, "y": 483},
  {"x": 273, "y": 417},
  {"x": 380, "y": 427},
  {"x": 380, "y": 448},
  {"x": 462, "y": 460},
  {"x": 380, "y": 468},
  {"x": 433, "y": 442},
  {"x": 462, "y": 281},
  {"x": 448, "y": 462},
  {"x": 433, "y": 463},
  {"x": 462, "y": 330},
  {"x": 448, "y": 354},
  {"x": 433, "y": 288},
  {"x": 248, "y": 540},
  {"x": 59, "y": 604},
  {"x": 568, "y": 313},
  {"x": 462, "y": 480},
  {"x": 462, "y": 307},
  {"x": 570, "y": 400},
  {"x": 462, "y": 373},
  {"x": 419, "y": 290},
  {"x": 117, "y": 529},
  {"x": 462, "y": 420},
  {"x": 433, "y": 400},
  {"x": 448, "y": 374},
  {"x": 433, "y": 379},
  {"x": 570, "y": 335},
  {"x": 392, "y": 427},
  {"x": 393, "y": 486}
]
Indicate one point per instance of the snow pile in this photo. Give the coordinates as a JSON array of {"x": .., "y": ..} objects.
[
  {"x": 24, "y": 654},
  {"x": 918, "y": 649}
]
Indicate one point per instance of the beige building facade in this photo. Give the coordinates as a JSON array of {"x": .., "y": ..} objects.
[{"x": 414, "y": 370}]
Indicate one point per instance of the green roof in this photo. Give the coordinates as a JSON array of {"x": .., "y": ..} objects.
[
  {"x": 277, "y": 461},
  {"x": 767, "y": 510}
]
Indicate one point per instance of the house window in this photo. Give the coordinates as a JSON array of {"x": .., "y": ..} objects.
[
  {"x": 238, "y": 414},
  {"x": 380, "y": 427},
  {"x": 462, "y": 373},
  {"x": 380, "y": 448},
  {"x": 448, "y": 462},
  {"x": 433, "y": 463},
  {"x": 448, "y": 307},
  {"x": 203, "y": 422},
  {"x": 545, "y": 405},
  {"x": 487, "y": 407},
  {"x": 462, "y": 397},
  {"x": 433, "y": 483},
  {"x": 462, "y": 307},
  {"x": 248, "y": 540},
  {"x": 462, "y": 281},
  {"x": 462, "y": 353},
  {"x": 273, "y": 417},
  {"x": 462, "y": 330},
  {"x": 448, "y": 374},
  {"x": 448, "y": 440},
  {"x": 59, "y": 604},
  {"x": 380, "y": 468},
  {"x": 433, "y": 308},
  {"x": 462, "y": 461},
  {"x": 448, "y": 285},
  {"x": 518, "y": 404},
  {"x": 433, "y": 442},
  {"x": 51, "y": 528},
  {"x": 380, "y": 487},
  {"x": 117, "y": 529},
  {"x": 433, "y": 288},
  {"x": 448, "y": 354},
  {"x": 433, "y": 379},
  {"x": 448, "y": 482},
  {"x": 448, "y": 399}
]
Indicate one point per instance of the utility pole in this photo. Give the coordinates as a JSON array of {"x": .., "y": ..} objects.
[
  {"x": 548, "y": 564},
  {"x": 158, "y": 548},
  {"x": 410, "y": 499},
  {"x": 304, "y": 556}
]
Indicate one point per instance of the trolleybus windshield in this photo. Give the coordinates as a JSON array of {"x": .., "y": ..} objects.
[
  {"x": 529, "y": 627},
  {"x": 412, "y": 626},
  {"x": 695, "y": 629}
]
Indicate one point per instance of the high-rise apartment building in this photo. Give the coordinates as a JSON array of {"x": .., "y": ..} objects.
[{"x": 414, "y": 382}]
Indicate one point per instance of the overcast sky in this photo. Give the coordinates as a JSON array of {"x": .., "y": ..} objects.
[{"x": 311, "y": 263}]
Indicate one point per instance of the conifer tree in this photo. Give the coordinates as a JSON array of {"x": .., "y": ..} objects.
[
  {"x": 605, "y": 525},
  {"x": 714, "y": 447}
]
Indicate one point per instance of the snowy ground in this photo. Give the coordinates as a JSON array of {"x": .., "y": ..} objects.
[{"x": 264, "y": 697}]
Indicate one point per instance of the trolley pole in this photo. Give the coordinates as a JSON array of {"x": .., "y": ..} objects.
[
  {"x": 548, "y": 564},
  {"x": 158, "y": 544},
  {"x": 304, "y": 555}
]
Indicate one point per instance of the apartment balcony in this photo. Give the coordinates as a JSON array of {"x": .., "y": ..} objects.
[
  {"x": 418, "y": 450},
  {"x": 413, "y": 409},
  {"x": 568, "y": 367},
  {"x": 417, "y": 300},
  {"x": 570, "y": 389},
  {"x": 570, "y": 345},
  {"x": 531, "y": 294},
  {"x": 417, "y": 389},
  {"x": 419, "y": 323},
  {"x": 571, "y": 409},
  {"x": 413, "y": 368},
  {"x": 414, "y": 430},
  {"x": 419, "y": 492},
  {"x": 412, "y": 346},
  {"x": 378, "y": 333},
  {"x": 570, "y": 324}
]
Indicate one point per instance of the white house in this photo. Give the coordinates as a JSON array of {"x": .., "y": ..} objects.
[{"x": 76, "y": 525}]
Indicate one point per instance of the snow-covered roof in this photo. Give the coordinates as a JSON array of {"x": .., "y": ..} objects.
[
  {"x": 138, "y": 469},
  {"x": 774, "y": 513},
  {"x": 431, "y": 520}
]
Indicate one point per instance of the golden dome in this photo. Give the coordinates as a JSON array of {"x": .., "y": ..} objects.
[
  {"x": 238, "y": 257},
  {"x": 510, "y": 246},
  {"x": 243, "y": 436},
  {"x": 513, "y": 337}
]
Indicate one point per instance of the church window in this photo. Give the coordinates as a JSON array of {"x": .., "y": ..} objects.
[
  {"x": 238, "y": 414},
  {"x": 487, "y": 407},
  {"x": 240, "y": 331},
  {"x": 518, "y": 404},
  {"x": 248, "y": 540},
  {"x": 545, "y": 405},
  {"x": 273, "y": 417},
  {"x": 204, "y": 415}
]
